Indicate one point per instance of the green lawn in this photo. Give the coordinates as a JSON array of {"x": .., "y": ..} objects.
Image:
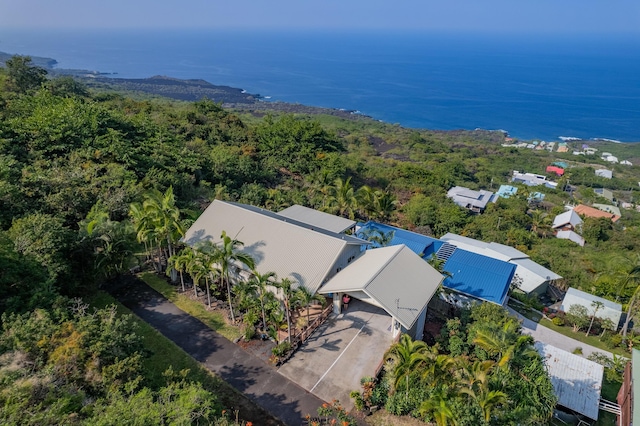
[
  {"x": 590, "y": 340},
  {"x": 212, "y": 319}
]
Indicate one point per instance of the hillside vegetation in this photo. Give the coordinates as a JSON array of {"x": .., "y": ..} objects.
[{"x": 73, "y": 161}]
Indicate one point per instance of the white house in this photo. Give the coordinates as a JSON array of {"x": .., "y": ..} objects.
[
  {"x": 567, "y": 225},
  {"x": 609, "y": 310},
  {"x": 608, "y": 174},
  {"x": 475, "y": 201},
  {"x": 531, "y": 179}
]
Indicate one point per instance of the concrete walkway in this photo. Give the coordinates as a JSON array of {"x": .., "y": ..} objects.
[
  {"x": 545, "y": 335},
  {"x": 277, "y": 395}
]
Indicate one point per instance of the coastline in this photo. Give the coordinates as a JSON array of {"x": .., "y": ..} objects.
[{"x": 241, "y": 99}]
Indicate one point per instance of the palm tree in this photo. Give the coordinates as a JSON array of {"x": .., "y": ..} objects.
[
  {"x": 476, "y": 379},
  {"x": 504, "y": 343},
  {"x": 304, "y": 297},
  {"x": 438, "y": 407},
  {"x": 404, "y": 357},
  {"x": 384, "y": 205},
  {"x": 179, "y": 262},
  {"x": 143, "y": 226},
  {"x": 540, "y": 223},
  {"x": 285, "y": 284},
  {"x": 439, "y": 367},
  {"x": 341, "y": 198},
  {"x": 631, "y": 311},
  {"x": 596, "y": 306},
  {"x": 376, "y": 236},
  {"x": 260, "y": 282},
  {"x": 165, "y": 215},
  {"x": 227, "y": 255}
]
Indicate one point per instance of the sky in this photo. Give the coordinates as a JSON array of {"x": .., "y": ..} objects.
[{"x": 523, "y": 16}]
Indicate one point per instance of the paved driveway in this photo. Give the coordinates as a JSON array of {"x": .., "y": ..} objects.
[{"x": 344, "y": 349}]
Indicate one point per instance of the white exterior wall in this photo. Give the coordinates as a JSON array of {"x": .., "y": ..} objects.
[{"x": 350, "y": 251}]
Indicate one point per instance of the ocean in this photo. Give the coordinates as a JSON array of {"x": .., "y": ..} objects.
[{"x": 533, "y": 87}]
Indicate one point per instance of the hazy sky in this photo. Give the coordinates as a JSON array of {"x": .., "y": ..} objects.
[{"x": 540, "y": 16}]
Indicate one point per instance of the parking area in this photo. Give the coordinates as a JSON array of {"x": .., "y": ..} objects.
[{"x": 344, "y": 349}]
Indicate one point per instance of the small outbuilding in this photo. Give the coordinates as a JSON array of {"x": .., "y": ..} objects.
[
  {"x": 577, "y": 382},
  {"x": 609, "y": 310}
]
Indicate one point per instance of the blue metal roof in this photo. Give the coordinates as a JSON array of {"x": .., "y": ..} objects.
[
  {"x": 507, "y": 191},
  {"x": 420, "y": 244},
  {"x": 479, "y": 276}
]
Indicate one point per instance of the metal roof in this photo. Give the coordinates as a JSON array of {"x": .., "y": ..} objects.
[
  {"x": 278, "y": 244},
  {"x": 464, "y": 196},
  {"x": 610, "y": 310},
  {"x": 567, "y": 218},
  {"x": 394, "y": 277},
  {"x": 479, "y": 276},
  {"x": 608, "y": 208},
  {"x": 317, "y": 218},
  {"x": 591, "y": 212},
  {"x": 532, "y": 274},
  {"x": 577, "y": 382},
  {"x": 572, "y": 236},
  {"x": 421, "y": 245},
  {"x": 507, "y": 191},
  {"x": 495, "y": 250}
]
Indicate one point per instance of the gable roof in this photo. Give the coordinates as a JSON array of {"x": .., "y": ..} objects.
[
  {"x": 583, "y": 210},
  {"x": 495, "y": 250},
  {"x": 571, "y": 236},
  {"x": 278, "y": 244},
  {"x": 479, "y": 276},
  {"x": 422, "y": 245},
  {"x": 465, "y": 197},
  {"x": 608, "y": 208},
  {"x": 317, "y": 218},
  {"x": 610, "y": 310},
  {"x": 576, "y": 381},
  {"x": 394, "y": 277},
  {"x": 533, "y": 275},
  {"x": 567, "y": 218}
]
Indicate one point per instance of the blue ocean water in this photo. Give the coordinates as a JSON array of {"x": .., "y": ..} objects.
[{"x": 531, "y": 86}]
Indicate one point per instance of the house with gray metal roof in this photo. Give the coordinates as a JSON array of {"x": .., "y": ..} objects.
[
  {"x": 565, "y": 226},
  {"x": 318, "y": 219},
  {"x": 532, "y": 277},
  {"x": 393, "y": 278},
  {"x": 476, "y": 201},
  {"x": 290, "y": 248},
  {"x": 577, "y": 382},
  {"x": 610, "y": 310}
]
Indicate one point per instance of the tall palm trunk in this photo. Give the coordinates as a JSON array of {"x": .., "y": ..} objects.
[
  {"x": 182, "y": 281},
  {"x": 206, "y": 280},
  {"x": 286, "y": 308},
  {"x": 233, "y": 318}
]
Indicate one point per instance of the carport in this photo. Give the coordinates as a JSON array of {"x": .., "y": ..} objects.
[{"x": 390, "y": 288}]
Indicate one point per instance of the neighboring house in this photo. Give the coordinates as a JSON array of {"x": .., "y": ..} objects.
[
  {"x": 561, "y": 164},
  {"x": 290, "y": 248},
  {"x": 607, "y": 174},
  {"x": 555, "y": 169},
  {"x": 605, "y": 193},
  {"x": 476, "y": 201},
  {"x": 614, "y": 210},
  {"x": 507, "y": 191},
  {"x": 563, "y": 148},
  {"x": 577, "y": 382},
  {"x": 590, "y": 151},
  {"x": 626, "y": 163},
  {"x": 535, "y": 197},
  {"x": 610, "y": 158},
  {"x": 534, "y": 277},
  {"x": 473, "y": 275},
  {"x": 393, "y": 278},
  {"x": 629, "y": 395},
  {"x": 609, "y": 310},
  {"x": 587, "y": 211},
  {"x": 566, "y": 225},
  {"x": 531, "y": 179},
  {"x": 320, "y": 219}
]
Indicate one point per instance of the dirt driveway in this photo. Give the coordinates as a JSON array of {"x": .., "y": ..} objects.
[{"x": 343, "y": 350}]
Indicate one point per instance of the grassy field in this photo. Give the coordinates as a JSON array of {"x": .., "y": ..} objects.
[
  {"x": 163, "y": 354},
  {"x": 212, "y": 319},
  {"x": 589, "y": 340}
]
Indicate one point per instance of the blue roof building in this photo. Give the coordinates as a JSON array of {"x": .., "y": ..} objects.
[
  {"x": 507, "y": 191},
  {"x": 480, "y": 277}
]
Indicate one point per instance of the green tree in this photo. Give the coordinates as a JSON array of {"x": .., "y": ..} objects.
[
  {"x": 24, "y": 76},
  {"x": 227, "y": 255},
  {"x": 596, "y": 305},
  {"x": 286, "y": 286},
  {"x": 404, "y": 358},
  {"x": 341, "y": 198},
  {"x": 260, "y": 282},
  {"x": 304, "y": 297}
]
